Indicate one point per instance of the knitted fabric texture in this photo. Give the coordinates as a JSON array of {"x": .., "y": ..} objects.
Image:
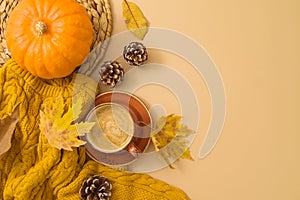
[{"x": 32, "y": 169}]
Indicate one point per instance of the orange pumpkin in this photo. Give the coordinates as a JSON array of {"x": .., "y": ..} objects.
[{"x": 49, "y": 38}]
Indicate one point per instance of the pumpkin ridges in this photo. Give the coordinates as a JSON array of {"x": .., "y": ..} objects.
[
  {"x": 47, "y": 48},
  {"x": 18, "y": 56},
  {"x": 18, "y": 40},
  {"x": 56, "y": 71},
  {"x": 75, "y": 36},
  {"x": 22, "y": 42},
  {"x": 21, "y": 29},
  {"x": 24, "y": 17},
  {"x": 68, "y": 15},
  {"x": 72, "y": 20},
  {"x": 47, "y": 7},
  {"x": 23, "y": 7},
  {"x": 56, "y": 9},
  {"x": 53, "y": 10},
  {"x": 29, "y": 58},
  {"x": 34, "y": 7},
  {"x": 44, "y": 70},
  {"x": 39, "y": 7},
  {"x": 81, "y": 52},
  {"x": 65, "y": 12},
  {"x": 60, "y": 53}
]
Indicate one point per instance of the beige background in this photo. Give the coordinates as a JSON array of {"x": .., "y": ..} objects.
[{"x": 256, "y": 46}]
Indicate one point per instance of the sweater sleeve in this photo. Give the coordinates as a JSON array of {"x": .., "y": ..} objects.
[{"x": 9, "y": 90}]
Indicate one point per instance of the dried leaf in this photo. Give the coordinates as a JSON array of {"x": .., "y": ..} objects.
[
  {"x": 170, "y": 138},
  {"x": 58, "y": 125},
  {"x": 7, "y": 125},
  {"x": 135, "y": 20},
  {"x": 187, "y": 155}
]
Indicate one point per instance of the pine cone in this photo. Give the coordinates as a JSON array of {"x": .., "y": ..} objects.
[
  {"x": 135, "y": 54},
  {"x": 95, "y": 188},
  {"x": 111, "y": 73}
]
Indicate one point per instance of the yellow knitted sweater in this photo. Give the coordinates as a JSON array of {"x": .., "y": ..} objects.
[{"x": 32, "y": 169}]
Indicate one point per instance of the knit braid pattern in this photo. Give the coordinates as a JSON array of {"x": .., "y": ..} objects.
[{"x": 32, "y": 169}]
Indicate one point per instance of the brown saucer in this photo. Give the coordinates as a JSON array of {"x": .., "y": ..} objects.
[{"x": 141, "y": 138}]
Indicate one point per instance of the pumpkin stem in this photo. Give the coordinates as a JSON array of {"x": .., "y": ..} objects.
[{"x": 40, "y": 27}]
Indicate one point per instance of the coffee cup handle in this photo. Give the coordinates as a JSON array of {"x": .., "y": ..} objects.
[{"x": 133, "y": 150}]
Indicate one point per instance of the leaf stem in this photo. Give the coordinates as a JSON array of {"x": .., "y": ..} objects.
[{"x": 137, "y": 25}]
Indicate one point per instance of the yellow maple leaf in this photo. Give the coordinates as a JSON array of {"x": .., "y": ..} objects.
[
  {"x": 170, "y": 138},
  {"x": 57, "y": 124}
]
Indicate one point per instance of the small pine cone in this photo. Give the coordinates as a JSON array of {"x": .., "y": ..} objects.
[
  {"x": 135, "y": 54},
  {"x": 111, "y": 73},
  {"x": 95, "y": 188}
]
